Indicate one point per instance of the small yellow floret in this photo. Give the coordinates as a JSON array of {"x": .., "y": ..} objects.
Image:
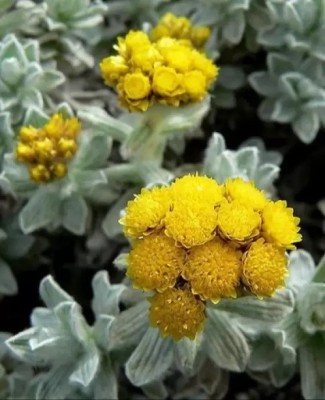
[
  {"x": 265, "y": 268},
  {"x": 166, "y": 82},
  {"x": 46, "y": 150},
  {"x": 195, "y": 85},
  {"x": 155, "y": 263},
  {"x": 136, "y": 86},
  {"x": 213, "y": 270},
  {"x": 238, "y": 222},
  {"x": 200, "y": 35},
  {"x": 177, "y": 313},
  {"x": 133, "y": 41},
  {"x": 113, "y": 68},
  {"x": 191, "y": 223},
  {"x": 198, "y": 188},
  {"x": 279, "y": 225},
  {"x": 245, "y": 193},
  {"x": 146, "y": 212}
]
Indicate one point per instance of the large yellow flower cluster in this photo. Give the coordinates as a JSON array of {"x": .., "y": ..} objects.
[
  {"x": 197, "y": 240},
  {"x": 180, "y": 28},
  {"x": 47, "y": 150},
  {"x": 168, "y": 71}
]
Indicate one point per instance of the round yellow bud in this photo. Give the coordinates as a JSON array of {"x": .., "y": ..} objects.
[
  {"x": 166, "y": 82},
  {"x": 279, "y": 225},
  {"x": 177, "y": 313},
  {"x": 113, "y": 68},
  {"x": 195, "y": 85},
  {"x": 136, "y": 86},
  {"x": 146, "y": 212},
  {"x": 59, "y": 170},
  {"x": 245, "y": 193},
  {"x": 67, "y": 148},
  {"x": 155, "y": 262},
  {"x": 200, "y": 35},
  {"x": 238, "y": 223},
  {"x": 213, "y": 270},
  {"x": 39, "y": 173},
  {"x": 265, "y": 268},
  {"x": 25, "y": 153}
]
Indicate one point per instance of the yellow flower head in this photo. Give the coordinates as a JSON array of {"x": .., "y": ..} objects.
[
  {"x": 164, "y": 71},
  {"x": 213, "y": 270},
  {"x": 279, "y": 225},
  {"x": 177, "y": 313},
  {"x": 191, "y": 223},
  {"x": 265, "y": 268},
  {"x": 155, "y": 263},
  {"x": 46, "y": 150},
  {"x": 146, "y": 212},
  {"x": 180, "y": 28},
  {"x": 245, "y": 193},
  {"x": 238, "y": 223},
  {"x": 198, "y": 188}
]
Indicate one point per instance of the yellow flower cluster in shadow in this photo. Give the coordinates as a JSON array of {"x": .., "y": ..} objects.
[
  {"x": 180, "y": 28},
  {"x": 163, "y": 69},
  {"x": 197, "y": 240},
  {"x": 46, "y": 150}
]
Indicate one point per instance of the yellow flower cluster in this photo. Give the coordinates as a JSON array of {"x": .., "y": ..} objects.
[
  {"x": 180, "y": 28},
  {"x": 47, "y": 150},
  {"x": 197, "y": 240},
  {"x": 168, "y": 71}
]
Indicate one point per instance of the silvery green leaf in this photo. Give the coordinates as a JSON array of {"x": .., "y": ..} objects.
[
  {"x": 106, "y": 296},
  {"x": 311, "y": 307},
  {"x": 74, "y": 214},
  {"x": 11, "y": 71},
  {"x": 151, "y": 174},
  {"x": 213, "y": 380},
  {"x": 17, "y": 176},
  {"x": 65, "y": 109},
  {"x": 32, "y": 97},
  {"x": 278, "y": 64},
  {"x": 265, "y": 176},
  {"x": 270, "y": 310},
  {"x": 111, "y": 226},
  {"x": 306, "y": 126},
  {"x": 102, "y": 329},
  {"x": 272, "y": 37},
  {"x": 99, "y": 120},
  {"x": 42, "y": 209},
  {"x": 301, "y": 269},
  {"x": 215, "y": 147},
  {"x": 312, "y": 365},
  {"x": 231, "y": 78},
  {"x": 129, "y": 326},
  {"x": 35, "y": 117},
  {"x": 13, "y": 49},
  {"x": 87, "y": 366},
  {"x": 247, "y": 160},
  {"x": 266, "y": 109},
  {"x": 263, "y": 354},
  {"x": 42, "y": 317},
  {"x": 19, "y": 344},
  {"x": 225, "y": 344},
  {"x": 51, "y": 293},
  {"x": 120, "y": 262},
  {"x": 105, "y": 383},
  {"x": 150, "y": 360},
  {"x": 93, "y": 151},
  {"x": 187, "y": 350},
  {"x": 32, "y": 51},
  {"x": 54, "y": 384},
  {"x": 8, "y": 284},
  {"x": 88, "y": 181},
  {"x": 285, "y": 111},
  {"x": 50, "y": 79},
  {"x": 234, "y": 27},
  {"x": 320, "y": 271},
  {"x": 263, "y": 83},
  {"x": 72, "y": 321},
  {"x": 155, "y": 391}
]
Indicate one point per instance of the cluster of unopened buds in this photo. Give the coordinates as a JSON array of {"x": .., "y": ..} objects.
[
  {"x": 164, "y": 67},
  {"x": 198, "y": 241},
  {"x": 47, "y": 150}
]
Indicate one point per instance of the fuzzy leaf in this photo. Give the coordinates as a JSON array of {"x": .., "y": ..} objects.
[
  {"x": 74, "y": 214},
  {"x": 106, "y": 296},
  {"x": 187, "y": 351},
  {"x": 312, "y": 366},
  {"x": 105, "y": 384},
  {"x": 150, "y": 360},
  {"x": 87, "y": 366},
  {"x": 301, "y": 269},
  {"x": 41, "y": 209},
  {"x": 265, "y": 176},
  {"x": 8, "y": 284},
  {"x": 51, "y": 293},
  {"x": 225, "y": 344},
  {"x": 320, "y": 271},
  {"x": 306, "y": 126}
]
